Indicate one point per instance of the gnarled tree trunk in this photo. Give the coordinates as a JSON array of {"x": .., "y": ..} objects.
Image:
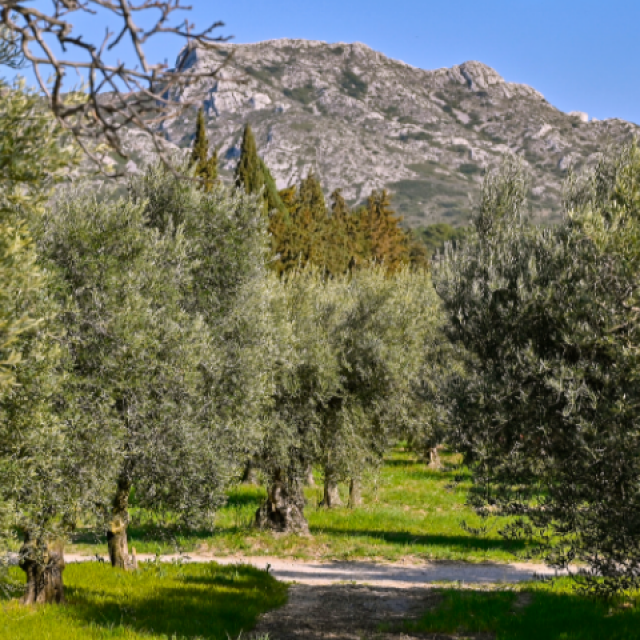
[
  {"x": 43, "y": 563},
  {"x": 283, "y": 510},
  {"x": 117, "y": 531},
  {"x": 355, "y": 493}
]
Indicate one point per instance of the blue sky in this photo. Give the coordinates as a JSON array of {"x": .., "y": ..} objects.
[{"x": 582, "y": 55}]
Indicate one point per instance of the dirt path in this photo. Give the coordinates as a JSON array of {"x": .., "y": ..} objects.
[
  {"x": 350, "y": 612},
  {"x": 396, "y": 575},
  {"x": 351, "y": 600}
]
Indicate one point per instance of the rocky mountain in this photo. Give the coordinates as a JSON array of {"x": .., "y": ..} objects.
[{"x": 363, "y": 121}]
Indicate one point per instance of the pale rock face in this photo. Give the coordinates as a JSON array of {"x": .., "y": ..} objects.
[
  {"x": 132, "y": 167},
  {"x": 259, "y": 100},
  {"x": 479, "y": 76},
  {"x": 566, "y": 162},
  {"x": 463, "y": 117},
  {"x": 363, "y": 121},
  {"x": 544, "y": 129},
  {"x": 227, "y": 102},
  {"x": 581, "y": 115}
]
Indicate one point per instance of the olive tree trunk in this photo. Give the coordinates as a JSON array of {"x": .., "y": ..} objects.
[
  {"x": 355, "y": 493},
  {"x": 283, "y": 511},
  {"x": 434, "y": 458},
  {"x": 310, "y": 482},
  {"x": 331, "y": 497},
  {"x": 250, "y": 474},
  {"x": 43, "y": 563},
  {"x": 117, "y": 531}
]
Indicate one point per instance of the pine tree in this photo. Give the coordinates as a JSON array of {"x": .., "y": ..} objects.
[
  {"x": 340, "y": 245},
  {"x": 206, "y": 167},
  {"x": 385, "y": 240},
  {"x": 249, "y": 172},
  {"x": 311, "y": 223},
  {"x": 271, "y": 196}
]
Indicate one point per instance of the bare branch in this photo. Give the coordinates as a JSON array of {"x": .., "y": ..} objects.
[{"x": 117, "y": 97}]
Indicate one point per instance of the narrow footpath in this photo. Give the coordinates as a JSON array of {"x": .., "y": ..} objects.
[{"x": 396, "y": 575}]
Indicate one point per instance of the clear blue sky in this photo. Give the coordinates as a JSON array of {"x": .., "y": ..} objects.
[{"x": 582, "y": 55}]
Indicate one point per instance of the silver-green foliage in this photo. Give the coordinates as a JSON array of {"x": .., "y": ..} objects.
[
  {"x": 53, "y": 461},
  {"x": 547, "y": 412},
  {"x": 226, "y": 244},
  {"x": 354, "y": 362},
  {"x": 138, "y": 343}
]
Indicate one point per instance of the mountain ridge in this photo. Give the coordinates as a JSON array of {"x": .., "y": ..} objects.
[{"x": 364, "y": 121}]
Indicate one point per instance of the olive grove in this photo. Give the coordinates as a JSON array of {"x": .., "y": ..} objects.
[{"x": 350, "y": 383}]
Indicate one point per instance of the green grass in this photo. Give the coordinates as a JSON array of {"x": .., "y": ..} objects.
[
  {"x": 409, "y": 512},
  {"x": 208, "y": 602},
  {"x": 532, "y": 612}
]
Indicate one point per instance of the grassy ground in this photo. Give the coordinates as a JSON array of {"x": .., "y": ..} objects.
[
  {"x": 531, "y": 612},
  {"x": 208, "y": 602},
  {"x": 410, "y": 511}
]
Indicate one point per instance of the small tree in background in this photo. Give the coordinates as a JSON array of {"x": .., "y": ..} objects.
[
  {"x": 249, "y": 175},
  {"x": 384, "y": 240},
  {"x": 206, "y": 166}
]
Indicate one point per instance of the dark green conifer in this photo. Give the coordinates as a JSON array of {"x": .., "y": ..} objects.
[
  {"x": 206, "y": 167},
  {"x": 249, "y": 172},
  {"x": 271, "y": 195}
]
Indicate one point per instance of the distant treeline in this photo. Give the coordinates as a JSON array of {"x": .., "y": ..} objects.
[{"x": 305, "y": 229}]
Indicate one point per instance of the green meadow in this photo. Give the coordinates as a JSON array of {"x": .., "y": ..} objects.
[
  {"x": 529, "y": 612},
  {"x": 156, "y": 602},
  {"x": 410, "y": 511}
]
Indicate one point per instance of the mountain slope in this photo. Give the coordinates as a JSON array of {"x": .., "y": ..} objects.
[{"x": 364, "y": 121}]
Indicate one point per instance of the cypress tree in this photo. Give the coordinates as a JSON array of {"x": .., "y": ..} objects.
[
  {"x": 311, "y": 195},
  {"x": 339, "y": 251},
  {"x": 249, "y": 172},
  {"x": 271, "y": 196},
  {"x": 289, "y": 197},
  {"x": 200, "y": 149},
  {"x": 206, "y": 167}
]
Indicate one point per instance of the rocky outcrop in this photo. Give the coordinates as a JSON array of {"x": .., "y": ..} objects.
[{"x": 364, "y": 121}]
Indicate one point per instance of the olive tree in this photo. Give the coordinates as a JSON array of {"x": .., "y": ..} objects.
[
  {"x": 133, "y": 344},
  {"x": 547, "y": 411},
  {"x": 53, "y": 462},
  {"x": 227, "y": 242},
  {"x": 355, "y": 345}
]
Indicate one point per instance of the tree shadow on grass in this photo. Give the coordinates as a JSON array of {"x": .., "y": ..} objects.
[
  {"x": 394, "y": 462},
  {"x": 241, "y": 497},
  {"x": 211, "y": 602},
  {"x": 457, "y": 543},
  {"x": 552, "y": 612},
  {"x": 166, "y": 535}
]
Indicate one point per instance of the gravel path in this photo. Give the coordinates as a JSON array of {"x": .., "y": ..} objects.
[{"x": 398, "y": 575}]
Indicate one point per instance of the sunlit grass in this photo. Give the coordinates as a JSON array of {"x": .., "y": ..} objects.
[
  {"x": 532, "y": 612},
  {"x": 208, "y": 602},
  {"x": 409, "y": 511}
]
